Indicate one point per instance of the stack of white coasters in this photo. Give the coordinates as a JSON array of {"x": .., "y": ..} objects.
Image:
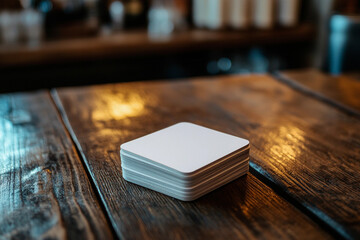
[{"x": 184, "y": 161}]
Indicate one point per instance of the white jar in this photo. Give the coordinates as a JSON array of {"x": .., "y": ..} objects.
[
  {"x": 117, "y": 14},
  {"x": 33, "y": 26},
  {"x": 200, "y": 13},
  {"x": 238, "y": 13},
  {"x": 216, "y": 14},
  {"x": 263, "y": 13},
  {"x": 160, "y": 21},
  {"x": 10, "y": 27},
  {"x": 288, "y": 12}
]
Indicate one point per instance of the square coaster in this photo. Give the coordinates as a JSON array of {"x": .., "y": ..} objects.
[{"x": 185, "y": 147}]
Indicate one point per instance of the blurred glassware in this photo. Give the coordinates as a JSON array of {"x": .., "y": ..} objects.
[
  {"x": 263, "y": 13},
  {"x": 33, "y": 25},
  {"x": 259, "y": 63},
  {"x": 288, "y": 12},
  {"x": 209, "y": 14},
  {"x": 238, "y": 13},
  {"x": 200, "y": 13},
  {"x": 224, "y": 64},
  {"x": 26, "y": 3},
  {"x": 161, "y": 18},
  {"x": 117, "y": 14},
  {"x": 344, "y": 47},
  {"x": 216, "y": 14},
  {"x": 9, "y": 24}
]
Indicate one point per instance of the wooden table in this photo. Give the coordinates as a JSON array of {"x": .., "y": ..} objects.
[
  {"x": 340, "y": 91},
  {"x": 61, "y": 171}
]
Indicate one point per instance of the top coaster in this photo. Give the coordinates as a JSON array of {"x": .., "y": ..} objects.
[{"x": 185, "y": 147}]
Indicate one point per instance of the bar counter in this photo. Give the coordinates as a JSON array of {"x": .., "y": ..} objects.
[{"x": 61, "y": 170}]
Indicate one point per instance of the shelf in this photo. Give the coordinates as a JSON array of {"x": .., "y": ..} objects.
[{"x": 139, "y": 43}]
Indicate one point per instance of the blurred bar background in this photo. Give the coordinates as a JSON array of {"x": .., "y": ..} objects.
[{"x": 52, "y": 43}]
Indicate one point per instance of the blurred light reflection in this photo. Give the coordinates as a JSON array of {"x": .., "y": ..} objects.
[
  {"x": 118, "y": 107},
  {"x": 288, "y": 143}
]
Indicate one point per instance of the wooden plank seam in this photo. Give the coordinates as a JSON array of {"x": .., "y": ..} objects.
[
  {"x": 60, "y": 110},
  {"x": 318, "y": 96}
]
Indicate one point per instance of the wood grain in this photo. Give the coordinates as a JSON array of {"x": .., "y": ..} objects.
[
  {"x": 354, "y": 75},
  {"x": 139, "y": 43},
  {"x": 342, "y": 91},
  {"x": 44, "y": 190},
  {"x": 311, "y": 164}
]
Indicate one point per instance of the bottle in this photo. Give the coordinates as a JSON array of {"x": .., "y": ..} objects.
[{"x": 117, "y": 12}]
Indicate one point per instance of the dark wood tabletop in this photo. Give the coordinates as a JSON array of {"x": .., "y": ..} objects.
[
  {"x": 342, "y": 91},
  {"x": 304, "y": 162},
  {"x": 44, "y": 190}
]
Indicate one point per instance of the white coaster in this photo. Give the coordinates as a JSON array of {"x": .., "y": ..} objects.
[
  {"x": 135, "y": 164},
  {"x": 185, "y": 160},
  {"x": 185, "y": 147},
  {"x": 182, "y": 195}
]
